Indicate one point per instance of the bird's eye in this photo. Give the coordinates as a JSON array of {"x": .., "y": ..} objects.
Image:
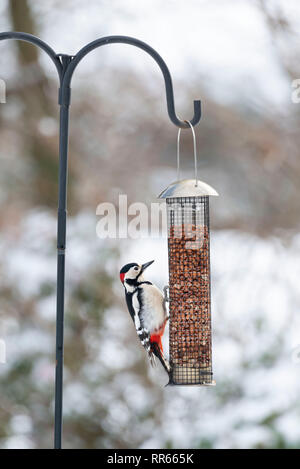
[{"x": 136, "y": 268}]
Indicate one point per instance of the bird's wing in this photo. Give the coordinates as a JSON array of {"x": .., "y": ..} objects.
[
  {"x": 160, "y": 297},
  {"x": 142, "y": 332},
  {"x": 154, "y": 304}
]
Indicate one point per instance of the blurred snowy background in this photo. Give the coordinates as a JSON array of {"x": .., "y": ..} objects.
[{"x": 239, "y": 58}]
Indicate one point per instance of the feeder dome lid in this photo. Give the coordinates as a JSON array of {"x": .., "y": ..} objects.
[{"x": 187, "y": 188}]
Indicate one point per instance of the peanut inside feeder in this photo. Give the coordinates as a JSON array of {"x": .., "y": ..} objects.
[{"x": 189, "y": 282}]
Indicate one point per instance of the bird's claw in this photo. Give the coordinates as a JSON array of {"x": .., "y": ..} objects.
[{"x": 166, "y": 294}]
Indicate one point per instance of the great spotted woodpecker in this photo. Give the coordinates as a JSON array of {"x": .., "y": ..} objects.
[{"x": 146, "y": 305}]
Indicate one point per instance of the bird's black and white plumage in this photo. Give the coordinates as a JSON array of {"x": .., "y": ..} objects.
[{"x": 146, "y": 305}]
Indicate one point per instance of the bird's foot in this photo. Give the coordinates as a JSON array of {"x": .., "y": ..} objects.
[{"x": 166, "y": 294}]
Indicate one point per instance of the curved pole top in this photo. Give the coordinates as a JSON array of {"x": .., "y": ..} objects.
[
  {"x": 37, "y": 42},
  {"x": 161, "y": 63},
  {"x": 65, "y": 72}
]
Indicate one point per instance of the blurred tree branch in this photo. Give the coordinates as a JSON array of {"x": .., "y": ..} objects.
[
  {"x": 35, "y": 93},
  {"x": 280, "y": 28},
  {"x": 22, "y": 20}
]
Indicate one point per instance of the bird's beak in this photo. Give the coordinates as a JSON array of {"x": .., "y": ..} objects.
[{"x": 144, "y": 266}]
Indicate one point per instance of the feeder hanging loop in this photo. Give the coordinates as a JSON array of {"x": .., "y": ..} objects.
[{"x": 195, "y": 153}]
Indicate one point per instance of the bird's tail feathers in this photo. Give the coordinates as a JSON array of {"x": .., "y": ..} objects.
[
  {"x": 152, "y": 359},
  {"x": 158, "y": 353}
]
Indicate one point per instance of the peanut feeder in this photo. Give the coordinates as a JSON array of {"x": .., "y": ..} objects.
[{"x": 187, "y": 204}]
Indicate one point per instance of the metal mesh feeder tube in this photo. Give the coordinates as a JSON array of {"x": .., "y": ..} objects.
[{"x": 190, "y": 341}]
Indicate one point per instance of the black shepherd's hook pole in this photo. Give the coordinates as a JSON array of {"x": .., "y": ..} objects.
[{"x": 65, "y": 66}]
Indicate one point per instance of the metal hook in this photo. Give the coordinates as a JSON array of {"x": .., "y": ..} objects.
[
  {"x": 195, "y": 153},
  {"x": 66, "y": 72},
  {"x": 158, "y": 59}
]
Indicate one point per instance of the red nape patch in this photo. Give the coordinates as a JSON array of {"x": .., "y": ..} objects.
[{"x": 122, "y": 277}]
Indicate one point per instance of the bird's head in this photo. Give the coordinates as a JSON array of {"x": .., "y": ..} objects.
[{"x": 132, "y": 273}]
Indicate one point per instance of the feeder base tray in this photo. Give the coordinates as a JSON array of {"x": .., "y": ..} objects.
[
  {"x": 190, "y": 376},
  {"x": 213, "y": 383}
]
